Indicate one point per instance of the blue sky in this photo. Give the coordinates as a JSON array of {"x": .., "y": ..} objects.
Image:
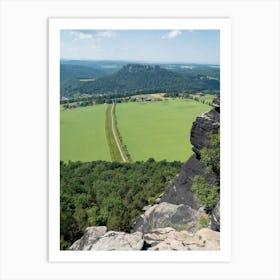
[{"x": 193, "y": 46}]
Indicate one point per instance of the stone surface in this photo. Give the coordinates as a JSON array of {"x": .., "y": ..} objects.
[
  {"x": 206, "y": 123},
  {"x": 215, "y": 218},
  {"x": 216, "y": 103},
  {"x": 168, "y": 215},
  {"x": 91, "y": 234},
  {"x": 120, "y": 241},
  {"x": 96, "y": 238},
  {"x": 145, "y": 208},
  {"x": 171, "y": 240}
]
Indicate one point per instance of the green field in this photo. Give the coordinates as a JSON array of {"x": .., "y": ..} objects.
[
  {"x": 158, "y": 129},
  {"x": 82, "y": 134}
]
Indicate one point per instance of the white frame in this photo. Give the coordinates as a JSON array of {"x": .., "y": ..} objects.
[
  {"x": 255, "y": 127},
  {"x": 57, "y": 24}
]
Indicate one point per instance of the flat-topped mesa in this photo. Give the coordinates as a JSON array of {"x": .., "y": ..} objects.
[
  {"x": 136, "y": 68},
  {"x": 207, "y": 123}
]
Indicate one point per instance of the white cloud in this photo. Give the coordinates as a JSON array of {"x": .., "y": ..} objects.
[
  {"x": 99, "y": 35},
  {"x": 172, "y": 34},
  {"x": 82, "y": 35},
  {"x": 105, "y": 34}
]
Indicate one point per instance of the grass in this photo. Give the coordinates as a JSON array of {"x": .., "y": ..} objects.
[
  {"x": 82, "y": 134},
  {"x": 158, "y": 129},
  {"x": 204, "y": 222},
  {"x": 114, "y": 151}
]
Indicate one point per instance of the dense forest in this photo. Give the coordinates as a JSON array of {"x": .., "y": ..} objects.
[
  {"x": 141, "y": 78},
  {"x": 108, "y": 193},
  {"x": 68, "y": 71}
]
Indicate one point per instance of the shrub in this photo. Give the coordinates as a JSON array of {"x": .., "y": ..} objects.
[{"x": 206, "y": 193}]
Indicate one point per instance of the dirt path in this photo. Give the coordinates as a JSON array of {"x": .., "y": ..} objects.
[{"x": 115, "y": 134}]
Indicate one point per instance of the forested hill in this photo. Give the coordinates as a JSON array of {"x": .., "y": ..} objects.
[
  {"x": 71, "y": 71},
  {"x": 142, "y": 78}
]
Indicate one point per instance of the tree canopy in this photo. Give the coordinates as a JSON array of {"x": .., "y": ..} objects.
[{"x": 108, "y": 194}]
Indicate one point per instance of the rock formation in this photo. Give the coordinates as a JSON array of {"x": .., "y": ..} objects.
[
  {"x": 167, "y": 238},
  {"x": 91, "y": 234},
  {"x": 173, "y": 222},
  {"x": 166, "y": 214},
  {"x": 170, "y": 239},
  {"x": 96, "y": 238},
  {"x": 215, "y": 217}
]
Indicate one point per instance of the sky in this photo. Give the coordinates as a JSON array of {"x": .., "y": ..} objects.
[{"x": 181, "y": 46}]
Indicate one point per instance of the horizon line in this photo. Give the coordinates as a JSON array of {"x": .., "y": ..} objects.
[{"x": 142, "y": 61}]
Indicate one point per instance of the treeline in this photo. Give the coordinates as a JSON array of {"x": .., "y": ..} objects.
[
  {"x": 108, "y": 193},
  {"x": 70, "y": 71}
]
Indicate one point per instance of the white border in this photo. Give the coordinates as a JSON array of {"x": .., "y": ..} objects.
[{"x": 222, "y": 24}]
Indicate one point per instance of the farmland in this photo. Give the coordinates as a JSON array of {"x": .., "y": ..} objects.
[
  {"x": 158, "y": 129},
  {"x": 82, "y": 134}
]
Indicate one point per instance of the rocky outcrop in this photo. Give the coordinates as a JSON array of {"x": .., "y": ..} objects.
[
  {"x": 179, "y": 191},
  {"x": 157, "y": 239},
  {"x": 96, "y": 238},
  {"x": 215, "y": 217},
  {"x": 90, "y": 236},
  {"x": 207, "y": 123},
  {"x": 165, "y": 214},
  {"x": 120, "y": 241},
  {"x": 170, "y": 239}
]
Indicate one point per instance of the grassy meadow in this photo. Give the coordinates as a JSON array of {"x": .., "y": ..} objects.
[
  {"x": 82, "y": 134},
  {"x": 158, "y": 129}
]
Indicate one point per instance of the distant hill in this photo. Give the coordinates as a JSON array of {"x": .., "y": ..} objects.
[
  {"x": 105, "y": 66},
  {"x": 144, "y": 78},
  {"x": 71, "y": 71}
]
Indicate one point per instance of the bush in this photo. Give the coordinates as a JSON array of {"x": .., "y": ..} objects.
[
  {"x": 205, "y": 193},
  {"x": 204, "y": 222},
  {"x": 208, "y": 194}
]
